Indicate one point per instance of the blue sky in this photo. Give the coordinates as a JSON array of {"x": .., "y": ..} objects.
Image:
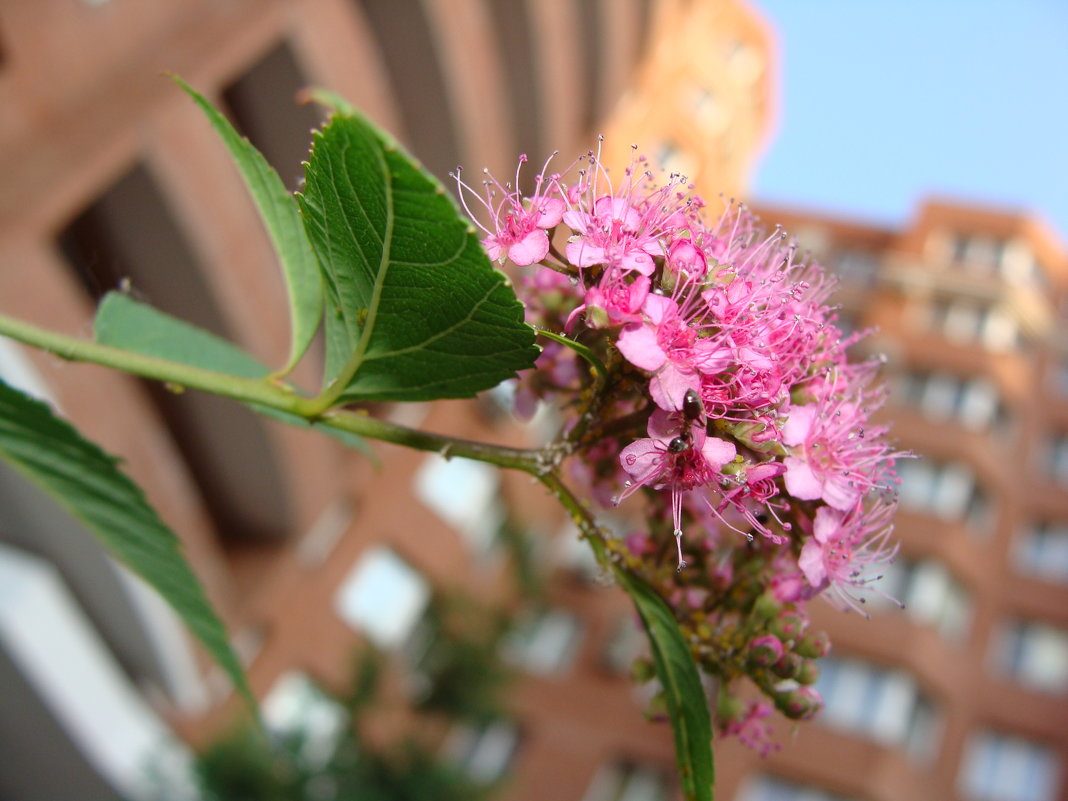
[{"x": 883, "y": 102}]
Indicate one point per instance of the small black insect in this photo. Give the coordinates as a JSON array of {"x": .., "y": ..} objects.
[
  {"x": 692, "y": 408},
  {"x": 679, "y": 444}
]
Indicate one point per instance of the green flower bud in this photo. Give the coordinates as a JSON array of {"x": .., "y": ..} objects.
[
  {"x": 808, "y": 673},
  {"x": 814, "y": 645},
  {"x": 787, "y": 667},
  {"x": 800, "y": 704},
  {"x": 766, "y": 607}
]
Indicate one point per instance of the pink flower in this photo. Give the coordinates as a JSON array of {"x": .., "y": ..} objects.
[
  {"x": 752, "y": 499},
  {"x": 612, "y": 234},
  {"x": 613, "y": 301},
  {"x": 520, "y": 224},
  {"x": 845, "y": 549},
  {"x": 666, "y": 345},
  {"x": 677, "y": 459},
  {"x": 832, "y": 457}
]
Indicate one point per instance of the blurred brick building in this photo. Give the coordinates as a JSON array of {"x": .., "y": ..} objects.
[{"x": 113, "y": 177}]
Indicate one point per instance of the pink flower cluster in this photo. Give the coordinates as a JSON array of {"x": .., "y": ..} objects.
[{"x": 729, "y": 402}]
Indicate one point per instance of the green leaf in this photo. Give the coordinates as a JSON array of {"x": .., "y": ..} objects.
[
  {"x": 123, "y": 322},
  {"x": 416, "y": 310},
  {"x": 686, "y": 701},
  {"x": 88, "y": 484},
  {"x": 278, "y": 210}
]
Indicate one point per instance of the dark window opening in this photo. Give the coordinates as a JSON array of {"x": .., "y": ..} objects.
[
  {"x": 127, "y": 236},
  {"x": 407, "y": 49},
  {"x": 263, "y": 105},
  {"x": 513, "y": 32}
]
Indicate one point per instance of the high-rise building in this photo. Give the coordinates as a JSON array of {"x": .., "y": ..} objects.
[
  {"x": 964, "y": 693},
  {"x": 114, "y": 179}
]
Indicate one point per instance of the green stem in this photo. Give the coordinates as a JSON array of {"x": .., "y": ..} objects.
[
  {"x": 265, "y": 393},
  {"x": 533, "y": 461},
  {"x": 249, "y": 390}
]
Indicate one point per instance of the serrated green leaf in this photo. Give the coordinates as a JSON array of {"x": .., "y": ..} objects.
[
  {"x": 333, "y": 101},
  {"x": 278, "y": 210},
  {"x": 123, "y": 322},
  {"x": 681, "y": 683},
  {"x": 88, "y": 484},
  {"x": 415, "y": 310}
]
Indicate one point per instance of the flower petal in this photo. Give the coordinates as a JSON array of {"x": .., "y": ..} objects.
[
  {"x": 637, "y": 343},
  {"x": 718, "y": 452},
  {"x": 798, "y": 427},
  {"x": 801, "y": 482},
  {"x": 548, "y": 211},
  {"x": 811, "y": 564},
  {"x": 531, "y": 249},
  {"x": 827, "y": 522},
  {"x": 668, "y": 387},
  {"x": 838, "y": 492}
]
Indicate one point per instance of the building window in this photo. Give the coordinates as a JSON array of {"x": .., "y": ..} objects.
[
  {"x": 1042, "y": 551},
  {"x": 930, "y": 594},
  {"x": 856, "y": 266},
  {"x": 296, "y": 708},
  {"x": 128, "y": 236},
  {"x": 483, "y": 752},
  {"x": 383, "y": 598},
  {"x": 1056, "y": 461},
  {"x": 1018, "y": 263},
  {"x": 1002, "y": 767},
  {"x": 745, "y": 63},
  {"x": 708, "y": 110},
  {"x": 545, "y": 643},
  {"x": 1034, "y": 654},
  {"x": 263, "y": 103},
  {"x": 625, "y": 643},
  {"x": 573, "y": 554},
  {"x": 629, "y": 781},
  {"x": 881, "y": 703},
  {"x": 466, "y": 495},
  {"x": 973, "y": 402},
  {"x": 969, "y": 322},
  {"x": 771, "y": 788},
  {"x": 945, "y": 490},
  {"x": 977, "y": 253},
  {"x": 674, "y": 160}
]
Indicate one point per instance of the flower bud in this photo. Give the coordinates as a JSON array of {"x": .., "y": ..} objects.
[
  {"x": 808, "y": 673},
  {"x": 787, "y": 667},
  {"x": 766, "y": 607},
  {"x": 729, "y": 708},
  {"x": 788, "y": 627},
  {"x": 800, "y": 704},
  {"x": 684, "y": 256},
  {"x": 765, "y": 651},
  {"x": 814, "y": 645}
]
